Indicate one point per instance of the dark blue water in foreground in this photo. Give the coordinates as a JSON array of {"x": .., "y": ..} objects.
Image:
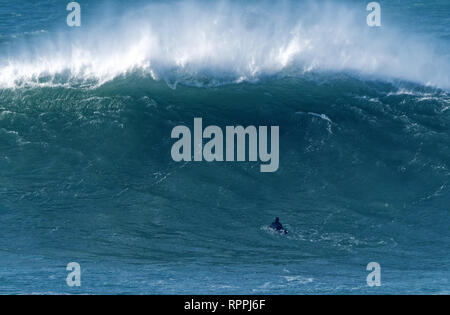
[{"x": 86, "y": 173}]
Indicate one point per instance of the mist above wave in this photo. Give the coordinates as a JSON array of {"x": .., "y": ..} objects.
[{"x": 223, "y": 42}]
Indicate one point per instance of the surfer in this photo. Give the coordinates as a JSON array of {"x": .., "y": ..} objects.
[{"x": 277, "y": 226}]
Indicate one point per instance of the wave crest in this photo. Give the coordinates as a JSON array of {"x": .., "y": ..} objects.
[{"x": 226, "y": 42}]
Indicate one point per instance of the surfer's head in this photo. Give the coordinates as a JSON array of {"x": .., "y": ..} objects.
[{"x": 277, "y": 219}]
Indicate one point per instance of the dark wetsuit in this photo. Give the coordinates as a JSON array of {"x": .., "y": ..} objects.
[{"x": 277, "y": 226}]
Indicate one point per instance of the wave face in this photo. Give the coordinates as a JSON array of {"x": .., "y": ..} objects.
[
  {"x": 86, "y": 173},
  {"x": 223, "y": 42}
]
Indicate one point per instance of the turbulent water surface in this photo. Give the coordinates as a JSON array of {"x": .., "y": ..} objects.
[{"x": 86, "y": 173}]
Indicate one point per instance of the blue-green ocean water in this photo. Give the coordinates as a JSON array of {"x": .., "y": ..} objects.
[{"x": 86, "y": 173}]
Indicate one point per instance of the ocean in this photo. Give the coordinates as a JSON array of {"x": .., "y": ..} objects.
[{"x": 86, "y": 173}]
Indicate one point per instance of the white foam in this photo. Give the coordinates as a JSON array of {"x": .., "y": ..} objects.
[{"x": 189, "y": 40}]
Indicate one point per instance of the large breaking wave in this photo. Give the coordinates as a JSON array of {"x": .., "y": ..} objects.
[
  {"x": 195, "y": 42},
  {"x": 86, "y": 173}
]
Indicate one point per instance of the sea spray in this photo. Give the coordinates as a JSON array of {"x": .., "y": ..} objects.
[{"x": 223, "y": 43}]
